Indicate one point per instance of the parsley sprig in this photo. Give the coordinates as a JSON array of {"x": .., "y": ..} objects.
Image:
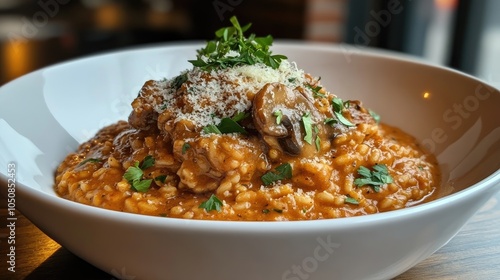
[
  {"x": 90, "y": 160},
  {"x": 375, "y": 178},
  {"x": 134, "y": 174},
  {"x": 284, "y": 171},
  {"x": 338, "y": 107},
  {"x": 249, "y": 50},
  {"x": 228, "y": 125},
  {"x": 212, "y": 203}
]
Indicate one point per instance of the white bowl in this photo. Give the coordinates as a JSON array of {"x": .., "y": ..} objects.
[{"x": 46, "y": 114}]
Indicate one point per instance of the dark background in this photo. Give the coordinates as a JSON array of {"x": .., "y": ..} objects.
[{"x": 37, "y": 33}]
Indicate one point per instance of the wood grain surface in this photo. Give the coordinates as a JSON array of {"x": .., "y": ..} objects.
[{"x": 474, "y": 253}]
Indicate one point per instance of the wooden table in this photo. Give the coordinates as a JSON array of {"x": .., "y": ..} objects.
[{"x": 473, "y": 254}]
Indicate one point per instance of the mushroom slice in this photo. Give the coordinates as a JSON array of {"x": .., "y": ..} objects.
[{"x": 277, "y": 113}]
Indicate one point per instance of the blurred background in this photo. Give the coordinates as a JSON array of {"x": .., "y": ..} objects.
[{"x": 462, "y": 34}]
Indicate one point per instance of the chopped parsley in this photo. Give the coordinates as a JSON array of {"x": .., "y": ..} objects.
[
  {"x": 351, "y": 200},
  {"x": 316, "y": 89},
  {"x": 217, "y": 54},
  {"x": 227, "y": 125},
  {"x": 90, "y": 160},
  {"x": 338, "y": 107},
  {"x": 284, "y": 171},
  {"x": 211, "y": 128},
  {"x": 148, "y": 161},
  {"x": 134, "y": 175},
  {"x": 317, "y": 141},
  {"x": 179, "y": 80},
  {"x": 240, "y": 116},
  {"x": 308, "y": 127},
  {"x": 375, "y": 178},
  {"x": 213, "y": 203},
  {"x": 185, "y": 147},
  {"x": 161, "y": 178},
  {"x": 279, "y": 116}
]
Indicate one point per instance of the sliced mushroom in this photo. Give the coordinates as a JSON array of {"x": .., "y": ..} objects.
[{"x": 277, "y": 114}]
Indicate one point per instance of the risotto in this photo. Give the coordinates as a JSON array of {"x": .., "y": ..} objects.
[{"x": 247, "y": 135}]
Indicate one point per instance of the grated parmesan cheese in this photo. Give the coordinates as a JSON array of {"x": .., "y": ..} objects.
[{"x": 211, "y": 96}]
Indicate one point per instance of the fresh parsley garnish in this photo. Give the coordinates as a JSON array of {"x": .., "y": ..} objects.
[
  {"x": 179, "y": 80},
  {"x": 213, "y": 203},
  {"x": 240, "y": 116},
  {"x": 316, "y": 89},
  {"x": 211, "y": 128},
  {"x": 308, "y": 127},
  {"x": 134, "y": 175},
  {"x": 279, "y": 116},
  {"x": 351, "y": 200},
  {"x": 338, "y": 107},
  {"x": 185, "y": 147},
  {"x": 90, "y": 160},
  {"x": 227, "y": 125},
  {"x": 161, "y": 178},
  {"x": 282, "y": 172},
  {"x": 375, "y": 178},
  {"x": 317, "y": 141},
  {"x": 148, "y": 161},
  {"x": 247, "y": 50}
]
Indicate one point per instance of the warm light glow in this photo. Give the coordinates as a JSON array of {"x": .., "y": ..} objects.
[
  {"x": 445, "y": 4},
  {"x": 426, "y": 95},
  {"x": 109, "y": 16},
  {"x": 18, "y": 58}
]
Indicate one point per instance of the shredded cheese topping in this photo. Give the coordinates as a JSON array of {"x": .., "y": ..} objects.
[{"x": 226, "y": 91}]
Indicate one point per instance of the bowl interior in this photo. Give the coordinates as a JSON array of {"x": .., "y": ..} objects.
[{"x": 451, "y": 114}]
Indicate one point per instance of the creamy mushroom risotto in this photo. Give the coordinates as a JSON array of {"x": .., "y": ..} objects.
[{"x": 247, "y": 135}]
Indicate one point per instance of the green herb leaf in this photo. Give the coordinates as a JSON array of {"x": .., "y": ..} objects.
[
  {"x": 375, "y": 178},
  {"x": 282, "y": 172},
  {"x": 185, "y": 147},
  {"x": 148, "y": 161},
  {"x": 316, "y": 89},
  {"x": 331, "y": 121},
  {"x": 250, "y": 50},
  {"x": 179, "y": 80},
  {"x": 211, "y": 128},
  {"x": 90, "y": 160},
  {"x": 213, "y": 203},
  {"x": 342, "y": 119},
  {"x": 161, "y": 178},
  {"x": 142, "y": 185},
  {"x": 240, "y": 116},
  {"x": 134, "y": 174},
  {"x": 338, "y": 107},
  {"x": 228, "y": 125},
  {"x": 318, "y": 143},
  {"x": 351, "y": 200},
  {"x": 279, "y": 116},
  {"x": 308, "y": 124}
]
